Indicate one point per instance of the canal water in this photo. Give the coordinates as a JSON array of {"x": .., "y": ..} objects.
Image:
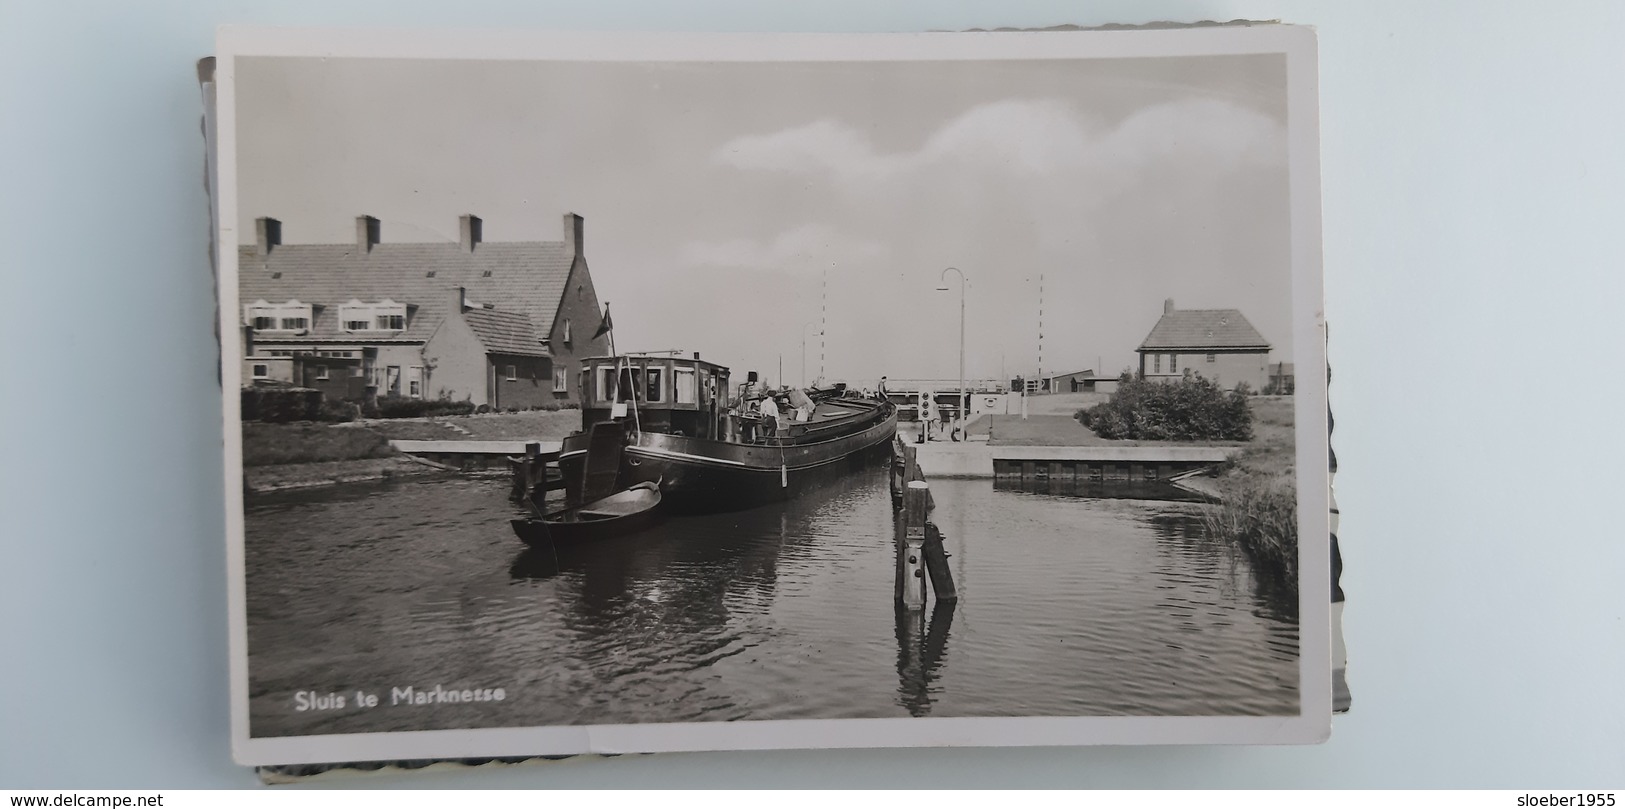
[{"x": 1069, "y": 606}]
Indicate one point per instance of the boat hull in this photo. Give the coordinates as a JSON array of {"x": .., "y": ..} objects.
[
  {"x": 704, "y": 476},
  {"x": 565, "y": 527}
]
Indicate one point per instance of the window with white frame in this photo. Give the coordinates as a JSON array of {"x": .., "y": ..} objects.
[
  {"x": 513, "y": 374},
  {"x": 385, "y": 315},
  {"x": 683, "y": 383},
  {"x": 561, "y": 381},
  {"x": 292, "y": 316},
  {"x": 321, "y": 372},
  {"x": 566, "y": 331},
  {"x": 261, "y": 371}
]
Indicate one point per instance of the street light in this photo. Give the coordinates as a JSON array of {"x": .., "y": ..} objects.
[
  {"x": 804, "y": 351},
  {"x": 964, "y": 396}
]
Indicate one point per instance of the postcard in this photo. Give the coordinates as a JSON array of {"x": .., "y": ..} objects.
[{"x": 611, "y": 393}]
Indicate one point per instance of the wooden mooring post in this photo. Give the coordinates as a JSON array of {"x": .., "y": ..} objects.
[
  {"x": 936, "y": 563},
  {"x": 919, "y": 544},
  {"x": 913, "y": 570},
  {"x": 528, "y": 471}
]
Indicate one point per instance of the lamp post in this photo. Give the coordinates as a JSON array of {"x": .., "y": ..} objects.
[
  {"x": 964, "y": 397},
  {"x": 804, "y": 350}
]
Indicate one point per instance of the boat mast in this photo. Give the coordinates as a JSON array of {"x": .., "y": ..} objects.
[{"x": 637, "y": 427}]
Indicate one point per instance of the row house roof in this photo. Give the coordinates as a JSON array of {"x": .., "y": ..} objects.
[{"x": 518, "y": 285}]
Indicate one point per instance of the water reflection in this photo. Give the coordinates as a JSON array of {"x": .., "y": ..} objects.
[
  {"x": 919, "y": 660},
  {"x": 1068, "y": 486},
  {"x": 1068, "y": 606}
]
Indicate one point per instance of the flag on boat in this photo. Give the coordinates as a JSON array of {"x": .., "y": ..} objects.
[{"x": 605, "y": 327}]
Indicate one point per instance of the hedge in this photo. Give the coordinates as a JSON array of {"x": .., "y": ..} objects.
[
  {"x": 281, "y": 404},
  {"x": 400, "y": 407}
]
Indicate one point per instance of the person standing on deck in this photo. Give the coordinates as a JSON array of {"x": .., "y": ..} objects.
[{"x": 769, "y": 408}]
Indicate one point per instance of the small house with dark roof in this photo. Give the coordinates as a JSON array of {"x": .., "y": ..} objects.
[
  {"x": 1216, "y": 344},
  {"x": 500, "y": 324},
  {"x": 1086, "y": 381}
]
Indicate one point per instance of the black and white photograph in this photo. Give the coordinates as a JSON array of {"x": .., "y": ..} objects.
[{"x": 622, "y": 393}]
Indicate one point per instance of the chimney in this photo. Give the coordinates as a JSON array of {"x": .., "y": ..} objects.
[
  {"x": 267, "y": 233},
  {"x": 572, "y": 236},
  {"x": 1168, "y": 306},
  {"x": 469, "y": 226},
  {"x": 366, "y": 233},
  {"x": 459, "y": 299}
]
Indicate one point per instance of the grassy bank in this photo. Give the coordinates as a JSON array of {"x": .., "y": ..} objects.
[
  {"x": 534, "y": 425},
  {"x": 1258, "y": 490},
  {"x": 275, "y": 444},
  {"x": 280, "y": 477},
  {"x": 310, "y": 442}
]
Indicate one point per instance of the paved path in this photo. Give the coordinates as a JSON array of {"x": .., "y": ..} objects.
[
  {"x": 470, "y": 447},
  {"x": 975, "y": 458}
]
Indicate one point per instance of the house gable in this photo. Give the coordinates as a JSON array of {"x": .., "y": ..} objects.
[{"x": 1203, "y": 330}]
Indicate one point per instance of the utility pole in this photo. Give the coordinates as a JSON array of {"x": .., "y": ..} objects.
[
  {"x": 964, "y": 396},
  {"x": 1040, "y": 329}
]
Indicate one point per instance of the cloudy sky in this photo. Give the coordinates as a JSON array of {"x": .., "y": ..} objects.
[{"x": 732, "y": 208}]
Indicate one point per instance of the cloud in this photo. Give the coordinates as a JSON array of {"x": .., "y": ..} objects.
[
  {"x": 804, "y": 246},
  {"x": 1024, "y": 138},
  {"x": 1185, "y": 198}
]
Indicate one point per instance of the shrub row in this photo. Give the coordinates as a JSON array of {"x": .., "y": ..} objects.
[
  {"x": 281, "y": 404},
  {"x": 1190, "y": 409},
  {"x": 545, "y": 407},
  {"x": 400, "y": 407}
]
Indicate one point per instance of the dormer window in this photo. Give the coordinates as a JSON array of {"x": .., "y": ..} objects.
[
  {"x": 293, "y": 316},
  {"x": 385, "y": 315}
]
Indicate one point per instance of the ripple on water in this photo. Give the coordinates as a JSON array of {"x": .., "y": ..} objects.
[{"x": 1068, "y": 606}]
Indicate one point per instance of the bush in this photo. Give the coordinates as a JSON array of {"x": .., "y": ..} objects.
[
  {"x": 400, "y": 407},
  {"x": 1191, "y": 409},
  {"x": 281, "y": 404},
  {"x": 338, "y": 411}
]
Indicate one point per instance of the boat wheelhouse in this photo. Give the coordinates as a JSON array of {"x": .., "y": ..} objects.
[
  {"x": 712, "y": 446},
  {"x": 673, "y": 394}
]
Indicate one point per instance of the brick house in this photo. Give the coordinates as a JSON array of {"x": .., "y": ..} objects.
[
  {"x": 501, "y": 324},
  {"x": 1216, "y": 344}
]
